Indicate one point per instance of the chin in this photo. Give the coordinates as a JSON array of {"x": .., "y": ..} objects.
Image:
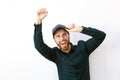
[{"x": 64, "y": 48}]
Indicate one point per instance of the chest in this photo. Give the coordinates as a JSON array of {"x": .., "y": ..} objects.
[{"x": 75, "y": 58}]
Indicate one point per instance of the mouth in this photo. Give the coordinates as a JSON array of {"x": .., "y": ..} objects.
[{"x": 63, "y": 43}]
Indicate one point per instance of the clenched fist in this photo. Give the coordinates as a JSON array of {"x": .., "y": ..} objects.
[{"x": 41, "y": 14}]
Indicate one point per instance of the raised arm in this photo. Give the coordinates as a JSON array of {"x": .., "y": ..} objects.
[
  {"x": 92, "y": 43},
  {"x": 43, "y": 49}
]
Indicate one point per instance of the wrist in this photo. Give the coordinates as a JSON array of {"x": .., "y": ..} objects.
[
  {"x": 38, "y": 21},
  {"x": 81, "y": 28}
]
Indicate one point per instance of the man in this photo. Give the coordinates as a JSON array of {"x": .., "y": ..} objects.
[{"x": 72, "y": 61}]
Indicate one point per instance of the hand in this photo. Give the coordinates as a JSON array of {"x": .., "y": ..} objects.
[
  {"x": 74, "y": 28},
  {"x": 41, "y": 14}
]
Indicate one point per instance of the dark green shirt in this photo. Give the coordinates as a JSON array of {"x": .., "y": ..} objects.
[{"x": 75, "y": 65}]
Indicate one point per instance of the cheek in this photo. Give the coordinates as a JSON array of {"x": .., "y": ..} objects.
[
  {"x": 56, "y": 41},
  {"x": 68, "y": 38}
]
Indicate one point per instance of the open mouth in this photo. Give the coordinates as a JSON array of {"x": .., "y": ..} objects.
[{"x": 63, "y": 43}]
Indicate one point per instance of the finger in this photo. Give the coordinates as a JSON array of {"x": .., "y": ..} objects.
[
  {"x": 70, "y": 26},
  {"x": 39, "y": 11},
  {"x": 67, "y": 29},
  {"x": 44, "y": 11}
]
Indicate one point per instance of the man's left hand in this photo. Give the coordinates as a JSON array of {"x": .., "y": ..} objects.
[{"x": 74, "y": 28}]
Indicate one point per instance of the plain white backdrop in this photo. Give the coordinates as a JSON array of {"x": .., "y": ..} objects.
[{"x": 20, "y": 61}]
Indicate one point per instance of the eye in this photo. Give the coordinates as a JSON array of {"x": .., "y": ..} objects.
[
  {"x": 57, "y": 36},
  {"x": 65, "y": 34}
]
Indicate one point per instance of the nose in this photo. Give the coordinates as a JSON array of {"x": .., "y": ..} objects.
[{"x": 62, "y": 38}]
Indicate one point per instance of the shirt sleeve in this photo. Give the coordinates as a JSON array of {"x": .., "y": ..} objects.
[
  {"x": 42, "y": 48},
  {"x": 97, "y": 38}
]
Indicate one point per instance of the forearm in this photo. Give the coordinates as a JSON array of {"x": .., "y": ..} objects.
[
  {"x": 38, "y": 41},
  {"x": 42, "y": 48},
  {"x": 95, "y": 33},
  {"x": 97, "y": 38}
]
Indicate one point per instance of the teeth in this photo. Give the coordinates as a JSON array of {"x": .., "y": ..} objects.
[{"x": 63, "y": 42}]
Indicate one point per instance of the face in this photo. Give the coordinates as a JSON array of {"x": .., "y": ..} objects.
[{"x": 62, "y": 39}]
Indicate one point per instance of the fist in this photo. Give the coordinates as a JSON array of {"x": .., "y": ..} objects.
[{"x": 41, "y": 14}]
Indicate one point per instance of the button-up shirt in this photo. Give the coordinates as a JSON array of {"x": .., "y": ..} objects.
[{"x": 75, "y": 64}]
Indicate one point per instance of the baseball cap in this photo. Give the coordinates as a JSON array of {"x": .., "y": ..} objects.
[{"x": 57, "y": 27}]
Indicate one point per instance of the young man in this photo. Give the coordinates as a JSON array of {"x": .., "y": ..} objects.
[{"x": 72, "y": 61}]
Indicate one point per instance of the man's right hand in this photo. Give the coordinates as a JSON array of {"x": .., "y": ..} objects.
[{"x": 41, "y": 14}]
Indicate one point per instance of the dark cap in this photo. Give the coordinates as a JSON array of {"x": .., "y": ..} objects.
[{"x": 57, "y": 27}]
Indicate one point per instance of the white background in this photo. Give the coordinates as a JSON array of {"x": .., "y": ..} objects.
[{"x": 20, "y": 61}]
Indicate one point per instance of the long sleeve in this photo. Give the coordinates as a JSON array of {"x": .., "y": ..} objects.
[
  {"x": 97, "y": 38},
  {"x": 42, "y": 48}
]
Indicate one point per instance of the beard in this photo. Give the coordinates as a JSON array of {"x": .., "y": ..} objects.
[{"x": 64, "y": 45}]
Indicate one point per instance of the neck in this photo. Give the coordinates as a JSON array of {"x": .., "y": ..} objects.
[{"x": 67, "y": 50}]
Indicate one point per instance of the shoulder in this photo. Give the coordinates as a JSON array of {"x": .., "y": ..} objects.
[
  {"x": 81, "y": 44},
  {"x": 55, "y": 48}
]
